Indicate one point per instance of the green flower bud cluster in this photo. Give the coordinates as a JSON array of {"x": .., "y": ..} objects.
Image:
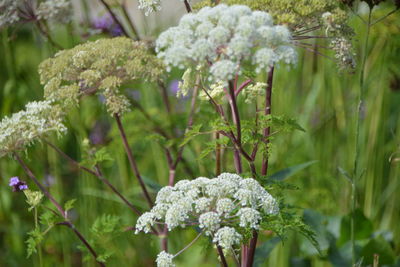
[
  {"x": 99, "y": 67},
  {"x": 290, "y": 12}
]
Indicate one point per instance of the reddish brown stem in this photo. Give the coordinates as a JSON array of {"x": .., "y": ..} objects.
[
  {"x": 236, "y": 121},
  {"x": 187, "y": 5},
  {"x": 242, "y": 86},
  {"x": 217, "y": 156},
  {"x": 268, "y": 102},
  {"x": 252, "y": 249},
  {"x": 222, "y": 256},
  {"x": 132, "y": 160},
  {"x": 96, "y": 173}
]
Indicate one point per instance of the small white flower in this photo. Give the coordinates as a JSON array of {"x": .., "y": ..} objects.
[
  {"x": 210, "y": 221},
  {"x": 149, "y": 6},
  {"x": 164, "y": 259},
  {"x": 225, "y": 206},
  {"x": 223, "y": 70},
  {"x": 249, "y": 218},
  {"x": 202, "y": 204},
  {"x": 145, "y": 222},
  {"x": 227, "y": 237}
]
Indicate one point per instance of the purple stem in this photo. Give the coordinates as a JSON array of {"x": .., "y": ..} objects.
[
  {"x": 242, "y": 86},
  {"x": 222, "y": 256},
  {"x": 268, "y": 102},
  {"x": 236, "y": 121},
  {"x": 132, "y": 160},
  {"x": 187, "y": 5},
  {"x": 96, "y": 173}
]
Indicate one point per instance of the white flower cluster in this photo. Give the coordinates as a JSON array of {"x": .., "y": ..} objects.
[
  {"x": 8, "y": 12},
  {"x": 343, "y": 52},
  {"x": 149, "y": 6},
  {"x": 23, "y": 128},
  {"x": 164, "y": 259},
  {"x": 216, "y": 91},
  {"x": 253, "y": 91},
  {"x": 220, "y": 206},
  {"x": 55, "y": 11},
  {"x": 223, "y": 37}
]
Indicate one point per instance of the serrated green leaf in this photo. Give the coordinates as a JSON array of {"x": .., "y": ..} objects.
[
  {"x": 34, "y": 239},
  {"x": 69, "y": 204},
  {"x": 106, "y": 224},
  {"x": 190, "y": 134}
]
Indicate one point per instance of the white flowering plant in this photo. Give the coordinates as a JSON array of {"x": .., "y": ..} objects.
[{"x": 226, "y": 56}]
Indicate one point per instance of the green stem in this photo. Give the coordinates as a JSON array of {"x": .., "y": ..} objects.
[
  {"x": 356, "y": 172},
  {"x": 39, "y": 249}
]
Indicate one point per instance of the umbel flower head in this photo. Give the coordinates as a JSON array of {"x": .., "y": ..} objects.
[
  {"x": 293, "y": 13},
  {"x": 100, "y": 67},
  {"x": 222, "y": 207},
  {"x": 223, "y": 38},
  {"x": 13, "y": 11},
  {"x": 55, "y": 11},
  {"x": 25, "y": 127}
]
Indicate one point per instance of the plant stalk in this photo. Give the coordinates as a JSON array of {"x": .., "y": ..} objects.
[
  {"x": 132, "y": 160},
  {"x": 356, "y": 172}
]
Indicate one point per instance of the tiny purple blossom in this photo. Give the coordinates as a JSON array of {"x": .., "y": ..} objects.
[
  {"x": 22, "y": 187},
  {"x": 174, "y": 87},
  {"x": 106, "y": 24},
  {"x": 116, "y": 30},
  {"x": 17, "y": 184},
  {"x": 14, "y": 181},
  {"x": 102, "y": 23}
]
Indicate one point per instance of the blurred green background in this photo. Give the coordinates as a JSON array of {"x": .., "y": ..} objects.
[{"x": 322, "y": 99}]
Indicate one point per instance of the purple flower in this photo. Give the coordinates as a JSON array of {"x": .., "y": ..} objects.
[
  {"x": 106, "y": 24},
  {"x": 17, "y": 184},
  {"x": 116, "y": 30},
  {"x": 14, "y": 181},
  {"x": 174, "y": 87},
  {"x": 103, "y": 23}
]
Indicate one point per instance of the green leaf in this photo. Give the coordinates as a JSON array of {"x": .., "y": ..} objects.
[
  {"x": 106, "y": 224},
  {"x": 286, "y": 173},
  {"x": 263, "y": 251},
  {"x": 190, "y": 134},
  {"x": 47, "y": 218},
  {"x": 104, "y": 256},
  {"x": 364, "y": 227},
  {"x": 345, "y": 174},
  {"x": 380, "y": 247},
  {"x": 69, "y": 204},
  {"x": 34, "y": 239},
  {"x": 102, "y": 155}
]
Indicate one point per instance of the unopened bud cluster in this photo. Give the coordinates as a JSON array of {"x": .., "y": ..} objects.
[{"x": 100, "y": 67}]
